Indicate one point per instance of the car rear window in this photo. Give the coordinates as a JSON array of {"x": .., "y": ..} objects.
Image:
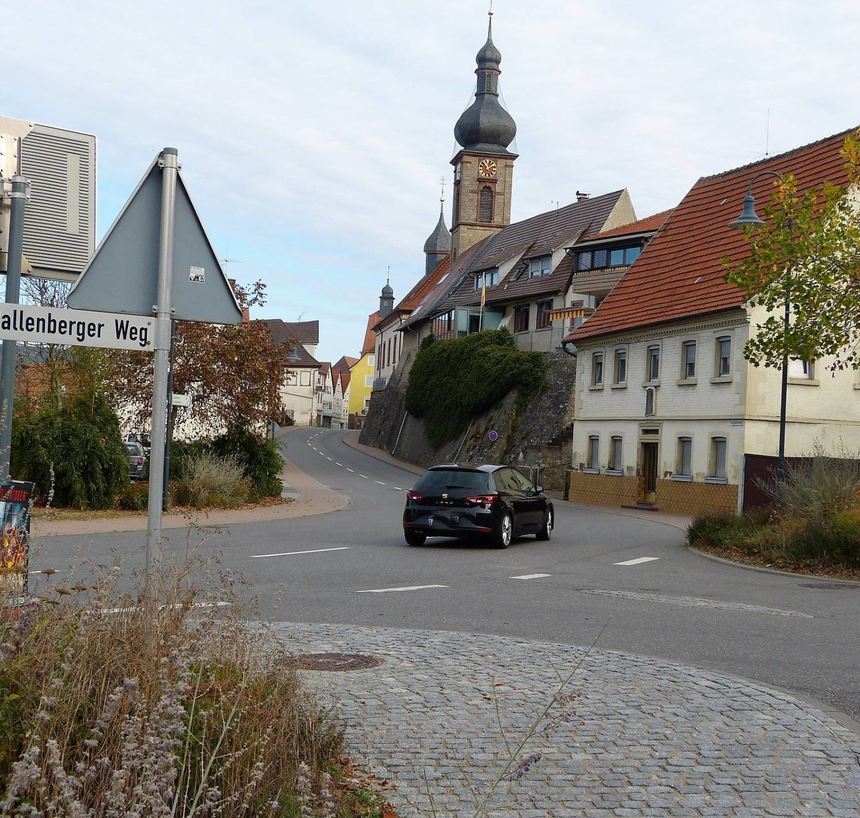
[{"x": 441, "y": 479}]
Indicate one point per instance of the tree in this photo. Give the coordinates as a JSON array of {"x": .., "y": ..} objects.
[
  {"x": 234, "y": 373},
  {"x": 808, "y": 253}
]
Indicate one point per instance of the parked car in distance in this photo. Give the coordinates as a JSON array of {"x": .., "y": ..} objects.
[
  {"x": 137, "y": 461},
  {"x": 141, "y": 438},
  {"x": 496, "y": 503}
]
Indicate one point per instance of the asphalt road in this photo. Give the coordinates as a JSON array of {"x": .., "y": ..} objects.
[{"x": 794, "y": 632}]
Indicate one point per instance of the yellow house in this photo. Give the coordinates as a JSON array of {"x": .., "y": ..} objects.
[{"x": 361, "y": 374}]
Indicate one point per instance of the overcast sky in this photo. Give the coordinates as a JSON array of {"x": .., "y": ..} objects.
[{"x": 313, "y": 135}]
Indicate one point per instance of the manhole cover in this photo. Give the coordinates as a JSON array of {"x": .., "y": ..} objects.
[
  {"x": 830, "y": 586},
  {"x": 333, "y": 661}
]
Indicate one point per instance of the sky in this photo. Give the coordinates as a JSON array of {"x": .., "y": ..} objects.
[{"x": 313, "y": 135}]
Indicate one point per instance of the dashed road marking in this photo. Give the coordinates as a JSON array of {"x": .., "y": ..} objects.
[
  {"x": 338, "y": 464},
  {"x": 638, "y": 561},
  {"x": 380, "y": 482},
  {"x": 696, "y": 602},
  {"x": 329, "y": 458},
  {"x": 293, "y": 553},
  {"x": 531, "y": 576},
  {"x": 349, "y": 469},
  {"x": 364, "y": 476},
  {"x": 405, "y": 588}
]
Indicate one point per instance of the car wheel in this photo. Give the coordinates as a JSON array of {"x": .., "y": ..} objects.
[
  {"x": 546, "y": 529},
  {"x": 415, "y": 537},
  {"x": 505, "y": 532}
]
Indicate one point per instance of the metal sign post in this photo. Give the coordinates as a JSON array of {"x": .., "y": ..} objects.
[
  {"x": 169, "y": 163},
  {"x": 18, "y": 195}
]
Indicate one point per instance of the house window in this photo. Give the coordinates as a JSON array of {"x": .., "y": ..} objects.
[
  {"x": 685, "y": 457},
  {"x": 718, "y": 458},
  {"x": 306, "y": 378},
  {"x": 620, "y": 368},
  {"x": 594, "y": 452},
  {"x": 597, "y": 369},
  {"x": 652, "y": 364},
  {"x": 489, "y": 278},
  {"x": 615, "y": 462},
  {"x": 292, "y": 378},
  {"x": 688, "y": 360},
  {"x": 724, "y": 356},
  {"x": 614, "y": 257},
  {"x": 368, "y": 380},
  {"x": 650, "y": 401},
  {"x": 371, "y": 360},
  {"x": 802, "y": 370},
  {"x": 485, "y": 207},
  {"x": 521, "y": 318},
  {"x": 540, "y": 266},
  {"x": 543, "y": 310}
]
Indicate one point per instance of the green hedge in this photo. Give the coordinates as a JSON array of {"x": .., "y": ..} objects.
[{"x": 454, "y": 381}]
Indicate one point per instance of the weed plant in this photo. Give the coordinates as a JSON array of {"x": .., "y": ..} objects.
[
  {"x": 210, "y": 481},
  {"x": 112, "y": 708}
]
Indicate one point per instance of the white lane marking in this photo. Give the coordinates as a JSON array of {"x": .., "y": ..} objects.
[
  {"x": 531, "y": 576},
  {"x": 405, "y": 588},
  {"x": 397, "y": 488},
  {"x": 47, "y": 571},
  {"x": 696, "y": 602},
  {"x": 338, "y": 464},
  {"x": 638, "y": 561},
  {"x": 322, "y": 454},
  {"x": 380, "y": 482},
  {"x": 329, "y": 458},
  {"x": 349, "y": 469},
  {"x": 292, "y": 553},
  {"x": 364, "y": 476}
]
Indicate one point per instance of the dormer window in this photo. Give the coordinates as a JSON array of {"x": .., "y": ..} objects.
[
  {"x": 612, "y": 257},
  {"x": 489, "y": 278},
  {"x": 540, "y": 266}
]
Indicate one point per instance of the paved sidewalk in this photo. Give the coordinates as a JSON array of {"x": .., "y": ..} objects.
[{"x": 626, "y": 736}]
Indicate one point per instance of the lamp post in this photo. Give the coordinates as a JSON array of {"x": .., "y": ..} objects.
[{"x": 749, "y": 216}]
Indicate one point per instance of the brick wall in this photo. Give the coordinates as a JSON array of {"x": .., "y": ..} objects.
[
  {"x": 603, "y": 489},
  {"x": 694, "y": 498}
]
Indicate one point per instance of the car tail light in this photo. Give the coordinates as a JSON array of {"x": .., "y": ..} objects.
[
  {"x": 482, "y": 499},
  {"x": 139, "y": 461},
  {"x": 414, "y": 496}
]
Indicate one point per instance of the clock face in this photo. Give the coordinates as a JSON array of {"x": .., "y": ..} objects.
[{"x": 487, "y": 168}]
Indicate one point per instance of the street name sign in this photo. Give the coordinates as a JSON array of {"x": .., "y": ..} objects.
[
  {"x": 181, "y": 400},
  {"x": 44, "y": 325}
]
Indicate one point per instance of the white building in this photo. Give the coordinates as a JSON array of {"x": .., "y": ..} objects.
[
  {"x": 668, "y": 411},
  {"x": 299, "y": 389}
]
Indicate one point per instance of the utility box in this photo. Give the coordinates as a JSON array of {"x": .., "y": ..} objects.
[{"x": 60, "y": 217}]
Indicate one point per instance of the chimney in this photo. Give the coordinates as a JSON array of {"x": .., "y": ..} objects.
[
  {"x": 246, "y": 313},
  {"x": 581, "y": 197}
]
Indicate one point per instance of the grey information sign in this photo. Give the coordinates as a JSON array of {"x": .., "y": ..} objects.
[{"x": 122, "y": 276}]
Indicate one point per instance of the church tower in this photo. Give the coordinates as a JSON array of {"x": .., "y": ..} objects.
[
  {"x": 438, "y": 244},
  {"x": 483, "y": 169}
]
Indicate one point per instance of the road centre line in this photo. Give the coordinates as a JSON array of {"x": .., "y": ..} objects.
[
  {"x": 364, "y": 476},
  {"x": 293, "y": 553},
  {"x": 329, "y": 458},
  {"x": 531, "y": 576},
  {"x": 349, "y": 469},
  {"x": 696, "y": 602},
  {"x": 405, "y": 588},
  {"x": 638, "y": 561},
  {"x": 380, "y": 482},
  {"x": 338, "y": 464}
]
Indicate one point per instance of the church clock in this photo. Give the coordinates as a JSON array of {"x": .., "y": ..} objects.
[{"x": 487, "y": 169}]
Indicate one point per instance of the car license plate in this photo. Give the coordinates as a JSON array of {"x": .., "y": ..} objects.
[
  {"x": 455, "y": 519},
  {"x": 430, "y": 520}
]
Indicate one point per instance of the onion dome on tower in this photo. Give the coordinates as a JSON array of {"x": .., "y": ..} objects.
[
  {"x": 438, "y": 244},
  {"x": 386, "y": 300},
  {"x": 486, "y": 127}
]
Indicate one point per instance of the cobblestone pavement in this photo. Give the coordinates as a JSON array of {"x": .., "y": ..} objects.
[{"x": 614, "y": 734}]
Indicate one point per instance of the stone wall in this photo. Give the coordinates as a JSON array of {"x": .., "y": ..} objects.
[{"x": 537, "y": 435}]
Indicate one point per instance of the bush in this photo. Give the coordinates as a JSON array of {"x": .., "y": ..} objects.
[
  {"x": 454, "y": 381},
  {"x": 167, "y": 710},
  {"x": 133, "y": 497},
  {"x": 180, "y": 452},
  {"x": 260, "y": 460},
  {"x": 721, "y": 530},
  {"x": 818, "y": 488},
  {"x": 79, "y": 440},
  {"x": 211, "y": 482}
]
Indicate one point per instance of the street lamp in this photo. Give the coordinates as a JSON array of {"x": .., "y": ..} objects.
[{"x": 749, "y": 216}]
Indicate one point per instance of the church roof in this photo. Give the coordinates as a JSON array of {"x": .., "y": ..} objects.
[
  {"x": 439, "y": 241},
  {"x": 681, "y": 273}
]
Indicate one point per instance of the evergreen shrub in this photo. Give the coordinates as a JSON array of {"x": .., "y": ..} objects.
[
  {"x": 80, "y": 439},
  {"x": 454, "y": 381}
]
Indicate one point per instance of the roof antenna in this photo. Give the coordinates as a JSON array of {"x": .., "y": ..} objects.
[{"x": 767, "y": 135}]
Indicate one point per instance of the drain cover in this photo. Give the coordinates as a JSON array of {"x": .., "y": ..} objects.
[
  {"x": 830, "y": 586},
  {"x": 333, "y": 661}
]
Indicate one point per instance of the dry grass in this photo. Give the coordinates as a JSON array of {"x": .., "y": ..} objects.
[
  {"x": 112, "y": 708},
  {"x": 212, "y": 482}
]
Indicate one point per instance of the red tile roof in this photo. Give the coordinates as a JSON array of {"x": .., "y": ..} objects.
[
  {"x": 344, "y": 364},
  {"x": 680, "y": 274},
  {"x": 649, "y": 224},
  {"x": 369, "y": 334}
]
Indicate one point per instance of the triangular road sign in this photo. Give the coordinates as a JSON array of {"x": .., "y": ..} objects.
[{"x": 122, "y": 276}]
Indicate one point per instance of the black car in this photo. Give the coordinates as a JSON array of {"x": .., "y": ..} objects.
[{"x": 494, "y": 502}]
